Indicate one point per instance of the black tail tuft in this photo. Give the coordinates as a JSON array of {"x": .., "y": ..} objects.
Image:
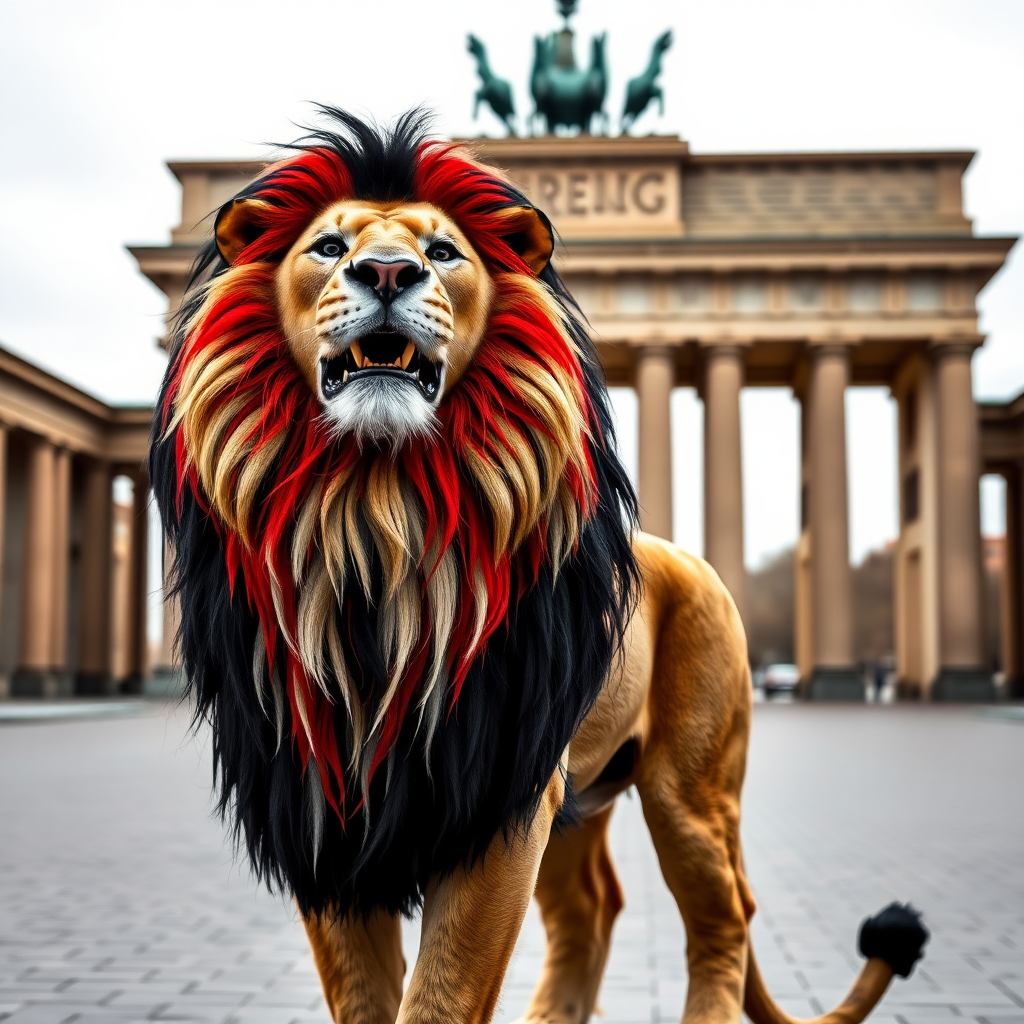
[{"x": 896, "y": 935}]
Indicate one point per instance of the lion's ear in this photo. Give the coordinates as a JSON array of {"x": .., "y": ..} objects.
[
  {"x": 239, "y": 223},
  {"x": 528, "y": 231}
]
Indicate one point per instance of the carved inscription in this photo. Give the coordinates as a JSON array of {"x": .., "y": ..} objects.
[{"x": 621, "y": 201}]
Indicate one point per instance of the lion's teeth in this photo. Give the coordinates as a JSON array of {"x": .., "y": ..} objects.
[
  {"x": 406, "y": 357},
  {"x": 344, "y": 377}
]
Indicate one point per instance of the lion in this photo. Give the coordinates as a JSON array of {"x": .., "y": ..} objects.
[{"x": 416, "y": 610}]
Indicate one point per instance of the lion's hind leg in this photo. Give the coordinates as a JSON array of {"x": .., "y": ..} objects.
[
  {"x": 690, "y": 772},
  {"x": 579, "y": 897},
  {"x": 697, "y": 846},
  {"x": 360, "y": 964}
]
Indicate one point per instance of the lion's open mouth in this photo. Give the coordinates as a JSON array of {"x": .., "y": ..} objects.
[{"x": 381, "y": 353}]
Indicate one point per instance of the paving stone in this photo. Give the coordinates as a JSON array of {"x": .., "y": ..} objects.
[
  {"x": 40, "y": 1013},
  {"x": 844, "y": 810}
]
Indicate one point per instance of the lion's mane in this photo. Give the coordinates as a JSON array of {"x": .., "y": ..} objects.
[{"x": 393, "y": 648}]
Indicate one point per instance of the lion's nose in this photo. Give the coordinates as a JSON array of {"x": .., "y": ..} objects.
[{"x": 387, "y": 279}]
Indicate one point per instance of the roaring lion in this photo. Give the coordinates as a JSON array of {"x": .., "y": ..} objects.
[{"x": 416, "y": 611}]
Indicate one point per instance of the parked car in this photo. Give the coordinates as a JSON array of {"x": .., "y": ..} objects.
[{"x": 780, "y": 679}]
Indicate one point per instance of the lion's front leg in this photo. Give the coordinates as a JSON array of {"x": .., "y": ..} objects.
[
  {"x": 471, "y": 920},
  {"x": 360, "y": 965},
  {"x": 579, "y": 897}
]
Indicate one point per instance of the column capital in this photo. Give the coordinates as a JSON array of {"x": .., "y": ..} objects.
[
  {"x": 818, "y": 348},
  {"x": 956, "y": 346},
  {"x": 724, "y": 346},
  {"x": 657, "y": 349},
  {"x": 720, "y": 353}
]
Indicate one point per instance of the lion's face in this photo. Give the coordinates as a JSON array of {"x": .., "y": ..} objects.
[{"x": 383, "y": 307}]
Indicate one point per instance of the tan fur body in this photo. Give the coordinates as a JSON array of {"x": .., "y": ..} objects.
[{"x": 680, "y": 693}]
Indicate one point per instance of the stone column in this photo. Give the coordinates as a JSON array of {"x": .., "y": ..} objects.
[
  {"x": 171, "y": 621},
  {"x": 3, "y": 525},
  {"x": 655, "y": 377},
  {"x": 834, "y": 676},
  {"x": 61, "y": 558},
  {"x": 962, "y": 675},
  {"x": 723, "y": 468},
  {"x": 138, "y": 586},
  {"x": 803, "y": 612},
  {"x": 166, "y": 675},
  {"x": 1013, "y": 584},
  {"x": 33, "y": 677},
  {"x": 94, "y": 669}
]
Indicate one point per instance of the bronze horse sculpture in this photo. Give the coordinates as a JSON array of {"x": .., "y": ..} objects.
[
  {"x": 642, "y": 89},
  {"x": 493, "y": 91},
  {"x": 564, "y": 95}
]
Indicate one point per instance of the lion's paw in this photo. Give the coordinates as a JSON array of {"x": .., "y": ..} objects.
[{"x": 543, "y": 1020}]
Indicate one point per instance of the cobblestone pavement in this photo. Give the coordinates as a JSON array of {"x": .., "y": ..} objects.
[{"x": 119, "y": 900}]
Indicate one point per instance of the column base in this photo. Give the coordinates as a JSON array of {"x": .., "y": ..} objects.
[
  {"x": 93, "y": 684},
  {"x": 41, "y": 684},
  {"x": 1014, "y": 688},
  {"x": 165, "y": 682},
  {"x": 131, "y": 684},
  {"x": 963, "y": 686},
  {"x": 834, "y": 684},
  {"x": 908, "y": 689}
]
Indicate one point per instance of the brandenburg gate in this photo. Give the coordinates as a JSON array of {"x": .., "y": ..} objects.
[
  {"x": 816, "y": 272},
  {"x": 811, "y": 271}
]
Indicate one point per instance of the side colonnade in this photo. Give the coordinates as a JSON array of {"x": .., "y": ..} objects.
[{"x": 73, "y": 561}]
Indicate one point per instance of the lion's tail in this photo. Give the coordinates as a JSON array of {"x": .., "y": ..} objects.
[{"x": 892, "y": 941}]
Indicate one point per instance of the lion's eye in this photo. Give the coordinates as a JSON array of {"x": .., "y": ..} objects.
[
  {"x": 328, "y": 248},
  {"x": 443, "y": 252}
]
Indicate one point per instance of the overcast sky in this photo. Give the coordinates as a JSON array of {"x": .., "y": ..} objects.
[{"x": 96, "y": 96}]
